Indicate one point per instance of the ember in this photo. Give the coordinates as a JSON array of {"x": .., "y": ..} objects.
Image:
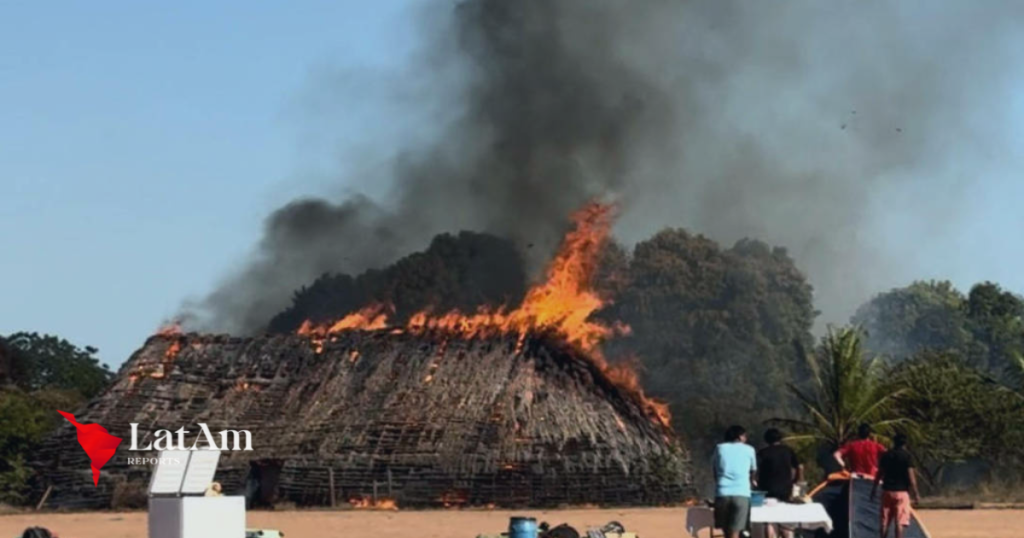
[
  {"x": 173, "y": 350},
  {"x": 379, "y": 504}
]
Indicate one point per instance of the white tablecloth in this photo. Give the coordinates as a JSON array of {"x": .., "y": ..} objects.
[{"x": 804, "y": 516}]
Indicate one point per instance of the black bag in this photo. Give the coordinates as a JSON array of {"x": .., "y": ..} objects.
[
  {"x": 36, "y": 532},
  {"x": 562, "y": 531}
]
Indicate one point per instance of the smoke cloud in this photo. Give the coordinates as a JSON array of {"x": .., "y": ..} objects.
[{"x": 847, "y": 132}]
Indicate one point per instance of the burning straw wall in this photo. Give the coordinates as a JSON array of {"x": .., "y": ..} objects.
[{"x": 422, "y": 420}]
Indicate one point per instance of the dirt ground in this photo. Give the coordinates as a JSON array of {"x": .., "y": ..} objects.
[{"x": 648, "y": 523}]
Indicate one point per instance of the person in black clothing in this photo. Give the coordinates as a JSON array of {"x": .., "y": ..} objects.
[
  {"x": 778, "y": 469},
  {"x": 899, "y": 485}
]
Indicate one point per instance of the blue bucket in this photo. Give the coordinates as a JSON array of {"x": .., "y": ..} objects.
[
  {"x": 757, "y": 498},
  {"x": 522, "y": 527}
]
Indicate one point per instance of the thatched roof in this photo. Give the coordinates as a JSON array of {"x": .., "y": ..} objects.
[{"x": 425, "y": 420}]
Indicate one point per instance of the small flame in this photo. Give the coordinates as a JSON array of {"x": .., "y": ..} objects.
[
  {"x": 370, "y": 318},
  {"x": 172, "y": 351},
  {"x": 171, "y": 328},
  {"x": 382, "y": 503}
]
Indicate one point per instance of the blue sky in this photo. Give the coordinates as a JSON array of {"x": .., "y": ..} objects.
[{"x": 141, "y": 144}]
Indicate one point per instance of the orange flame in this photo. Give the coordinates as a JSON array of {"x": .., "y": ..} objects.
[
  {"x": 172, "y": 351},
  {"x": 382, "y": 503},
  {"x": 562, "y": 303},
  {"x": 370, "y": 318},
  {"x": 171, "y": 328}
]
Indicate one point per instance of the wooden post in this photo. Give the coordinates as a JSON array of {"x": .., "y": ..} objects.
[
  {"x": 330, "y": 482},
  {"x": 374, "y": 492},
  {"x": 390, "y": 493},
  {"x": 43, "y": 500}
]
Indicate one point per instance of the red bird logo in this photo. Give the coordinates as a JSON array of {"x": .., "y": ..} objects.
[{"x": 98, "y": 444}]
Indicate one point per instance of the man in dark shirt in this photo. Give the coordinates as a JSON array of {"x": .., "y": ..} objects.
[
  {"x": 899, "y": 484},
  {"x": 778, "y": 469}
]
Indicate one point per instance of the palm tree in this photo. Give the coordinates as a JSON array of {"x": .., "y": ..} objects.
[{"x": 847, "y": 389}]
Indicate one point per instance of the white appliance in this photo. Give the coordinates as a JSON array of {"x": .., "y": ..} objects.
[{"x": 178, "y": 507}]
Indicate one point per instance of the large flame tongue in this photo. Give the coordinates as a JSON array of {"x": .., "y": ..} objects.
[
  {"x": 562, "y": 303},
  {"x": 565, "y": 301}
]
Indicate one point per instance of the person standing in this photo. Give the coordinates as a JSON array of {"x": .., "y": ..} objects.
[
  {"x": 860, "y": 456},
  {"x": 735, "y": 468},
  {"x": 899, "y": 485},
  {"x": 778, "y": 470}
]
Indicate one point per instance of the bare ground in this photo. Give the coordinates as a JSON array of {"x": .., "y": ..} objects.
[{"x": 648, "y": 522}]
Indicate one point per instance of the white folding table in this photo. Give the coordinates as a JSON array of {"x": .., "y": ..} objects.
[{"x": 802, "y": 516}]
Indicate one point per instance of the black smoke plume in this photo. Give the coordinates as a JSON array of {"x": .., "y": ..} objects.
[{"x": 841, "y": 130}]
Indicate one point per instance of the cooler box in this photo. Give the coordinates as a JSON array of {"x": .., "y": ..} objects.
[{"x": 178, "y": 506}]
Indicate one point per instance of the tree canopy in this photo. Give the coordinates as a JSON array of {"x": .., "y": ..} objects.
[
  {"x": 713, "y": 328},
  {"x": 461, "y": 271},
  {"x": 848, "y": 388},
  {"x": 42, "y": 361},
  {"x": 985, "y": 327},
  {"x": 960, "y": 414}
]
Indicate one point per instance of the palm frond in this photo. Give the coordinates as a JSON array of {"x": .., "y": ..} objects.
[{"x": 847, "y": 389}]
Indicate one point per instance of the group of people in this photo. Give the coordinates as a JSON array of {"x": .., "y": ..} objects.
[{"x": 776, "y": 469}]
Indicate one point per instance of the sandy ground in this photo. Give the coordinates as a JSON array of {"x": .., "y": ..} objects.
[{"x": 648, "y": 523}]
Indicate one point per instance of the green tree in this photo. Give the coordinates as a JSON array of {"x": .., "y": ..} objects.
[
  {"x": 985, "y": 327},
  {"x": 923, "y": 315},
  {"x": 995, "y": 321},
  {"x": 961, "y": 414},
  {"x": 847, "y": 389},
  {"x": 23, "y": 423},
  {"x": 51, "y": 362},
  {"x": 713, "y": 328}
]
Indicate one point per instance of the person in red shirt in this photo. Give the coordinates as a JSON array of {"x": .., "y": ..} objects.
[{"x": 860, "y": 456}]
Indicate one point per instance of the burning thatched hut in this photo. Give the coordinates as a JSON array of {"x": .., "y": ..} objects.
[{"x": 420, "y": 419}]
